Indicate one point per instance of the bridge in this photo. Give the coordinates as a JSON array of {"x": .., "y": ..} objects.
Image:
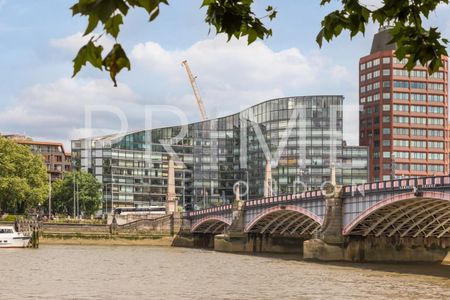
[{"x": 344, "y": 222}]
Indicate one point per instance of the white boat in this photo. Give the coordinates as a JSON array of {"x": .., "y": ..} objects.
[{"x": 10, "y": 238}]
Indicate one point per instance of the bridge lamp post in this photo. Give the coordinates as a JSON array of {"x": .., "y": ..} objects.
[
  {"x": 248, "y": 187},
  {"x": 184, "y": 191},
  {"x": 393, "y": 166}
]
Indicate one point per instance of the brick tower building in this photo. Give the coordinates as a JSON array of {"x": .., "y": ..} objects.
[{"x": 403, "y": 115}]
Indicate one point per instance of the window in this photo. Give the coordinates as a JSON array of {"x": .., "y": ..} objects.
[
  {"x": 435, "y": 156},
  {"x": 436, "y": 145},
  {"x": 418, "y": 74},
  {"x": 417, "y": 120},
  {"x": 401, "y": 84},
  {"x": 387, "y": 154},
  {"x": 404, "y": 167},
  {"x": 435, "y": 133},
  {"x": 386, "y": 119},
  {"x": 418, "y": 85},
  {"x": 362, "y": 67},
  {"x": 401, "y": 131},
  {"x": 401, "y": 143},
  {"x": 369, "y": 64},
  {"x": 376, "y": 97},
  {"x": 376, "y": 85},
  {"x": 418, "y": 144},
  {"x": 369, "y": 98},
  {"x": 363, "y": 78},
  {"x": 419, "y": 108},
  {"x": 418, "y": 167},
  {"x": 386, "y": 143},
  {"x": 435, "y": 121},
  {"x": 436, "y": 110},
  {"x": 363, "y": 89},
  {"x": 435, "y": 168},
  {"x": 386, "y": 96},
  {"x": 401, "y": 155},
  {"x": 418, "y": 97},
  {"x": 386, "y": 60},
  {"x": 436, "y": 86},
  {"x": 435, "y": 98},
  {"x": 386, "y": 107},
  {"x": 363, "y": 100},
  {"x": 376, "y": 62},
  {"x": 437, "y": 75},
  {"x": 386, "y": 72},
  {"x": 398, "y": 119},
  {"x": 399, "y": 107},
  {"x": 418, "y": 132},
  {"x": 400, "y": 62},
  {"x": 376, "y": 74},
  {"x": 418, "y": 155},
  {"x": 401, "y": 96},
  {"x": 401, "y": 73},
  {"x": 386, "y": 131},
  {"x": 369, "y": 87},
  {"x": 386, "y": 84}
]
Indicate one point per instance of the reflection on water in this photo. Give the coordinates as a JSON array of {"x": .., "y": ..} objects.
[{"x": 80, "y": 272}]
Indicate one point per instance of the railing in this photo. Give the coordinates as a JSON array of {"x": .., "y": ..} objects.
[
  {"x": 211, "y": 210},
  {"x": 398, "y": 184}
]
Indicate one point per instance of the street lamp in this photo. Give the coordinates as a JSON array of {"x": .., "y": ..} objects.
[
  {"x": 248, "y": 187},
  {"x": 393, "y": 166},
  {"x": 184, "y": 191},
  {"x": 49, "y": 196}
]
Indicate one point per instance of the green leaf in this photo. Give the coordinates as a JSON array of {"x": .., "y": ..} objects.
[
  {"x": 154, "y": 14},
  {"x": 115, "y": 61},
  {"x": 112, "y": 26},
  {"x": 88, "y": 53},
  {"x": 93, "y": 21}
]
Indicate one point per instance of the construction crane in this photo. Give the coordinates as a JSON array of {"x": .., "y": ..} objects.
[{"x": 200, "y": 103}]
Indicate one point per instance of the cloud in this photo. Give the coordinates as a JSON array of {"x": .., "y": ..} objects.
[
  {"x": 234, "y": 75},
  {"x": 372, "y": 4},
  {"x": 72, "y": 43},
  {"x": 57, "y": 110},
  {"x": 231, "y": 77}
]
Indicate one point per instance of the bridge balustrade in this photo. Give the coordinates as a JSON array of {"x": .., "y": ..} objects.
[{"x": 397, "y": 185}]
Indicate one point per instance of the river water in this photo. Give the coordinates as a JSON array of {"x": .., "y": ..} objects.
[{"x": 106, "y": 272}]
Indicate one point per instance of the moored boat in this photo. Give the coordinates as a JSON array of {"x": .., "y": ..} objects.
[{"x": 10, "y": 238}]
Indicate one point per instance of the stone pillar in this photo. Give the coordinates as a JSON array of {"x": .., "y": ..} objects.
[
  {"x": 332, "y": 226},
  {"x": 238, "y": 213},
  {"x": 234, "y": 239},
  {"x": 171, "y": 197},
  {"x": 268, "y": 180},
  {"x": 329, "y": 246}
]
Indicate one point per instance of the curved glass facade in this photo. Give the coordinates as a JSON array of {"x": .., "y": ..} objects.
[{"x": 301, "y": 137}]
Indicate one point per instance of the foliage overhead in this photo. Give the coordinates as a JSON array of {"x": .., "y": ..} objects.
[
  {"x": 88, "y": 193},
  {"x": 236, "y": 18},
  {"x": 23, "y": 178}
]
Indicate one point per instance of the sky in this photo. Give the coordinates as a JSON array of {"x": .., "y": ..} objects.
[{"x": 39, "y": 39}]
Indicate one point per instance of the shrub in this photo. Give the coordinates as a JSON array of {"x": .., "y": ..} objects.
[{"x": 10, "y": 218}]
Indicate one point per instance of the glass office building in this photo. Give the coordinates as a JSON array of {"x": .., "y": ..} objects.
[{"x": 301, "y": 138}]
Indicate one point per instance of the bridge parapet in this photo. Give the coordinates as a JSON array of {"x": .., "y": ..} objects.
[
  {"x": 397, "y": 185},
  {"x": 209, "y": 211}
]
